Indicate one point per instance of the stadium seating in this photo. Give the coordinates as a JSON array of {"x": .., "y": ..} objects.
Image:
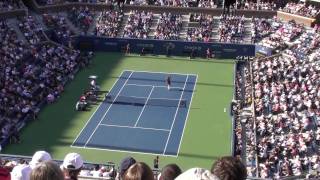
[
  {"x": 276, "y": 104},
  {"x": 301, "y": 9},
  {"x": 10, "y": 5}
]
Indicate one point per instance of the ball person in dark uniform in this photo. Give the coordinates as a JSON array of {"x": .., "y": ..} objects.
[{"x": 168, "y": 81}]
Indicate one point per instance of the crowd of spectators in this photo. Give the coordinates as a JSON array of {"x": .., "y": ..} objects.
[
  {"x": 203, "y": 32},
  {"x": 292, "y": 7},
  {"x": 32, "y": 74},
  {"x": 59, "y": 27},
  {"x": 168, "y": 27},
  {"x": 304, "y": 45},
  {"x": 32, "y": 31},
  {"x": 11, "y": 52},
  {"x": 302, "y": 9},
  {"x": 261, "y": 28},
  {"x": 285, "y": 33},
  {"x": 82, "y": 18},
  {"x": 287, "y": 109},
  {"x": 55, "y": 2},
  {"x": 286, "y": 122},
  {"x": 231, "y": 29},
  {"x": 42, "y": 166},
  {"x": 9, "y": 5},
  {"x": 251, "y": 5},
  {"x": 138, "y": 25},
  {"x": 175, "y": 3},
  {"x": 108, "y": 23},
  {"x": 71, "y": 167},
  {"x": 207, "y": 4},
  {"x": 309, "y": 11}
]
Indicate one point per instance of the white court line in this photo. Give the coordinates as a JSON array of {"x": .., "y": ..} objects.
[
  {"x": 95, "y": 111},
  {"x": 144, "y": 106},
  {"x": 123, "y": 151},
  {"x": 157, "y": 72},
  {"x": 175, "y": 116},
  {"x": 134, "y": 127},
  {"x": 185, "y": 123},
  {"x": 108, "y": 110},
  {"x": 144, "y": 85},
  {"x": 142, "y": 97}
]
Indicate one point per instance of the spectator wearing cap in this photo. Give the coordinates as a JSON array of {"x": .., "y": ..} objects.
[
  {"x": 125, "y": 164},
  {"x": 21, "y": 172},
  {"x": 229, "y": 168},
  {"x": 138, "y": 171},
  {"x": 71, "y": 166},
  {"x": 38, "y": 157},
  {"x": 197, "y": 174},
  {"x": 46, "y": 170},
  {"x": 170, "y": 172}
]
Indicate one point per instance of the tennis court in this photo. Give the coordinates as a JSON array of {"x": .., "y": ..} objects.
[{"x": 139, "y": 114}]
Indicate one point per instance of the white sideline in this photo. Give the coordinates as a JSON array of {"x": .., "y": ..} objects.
[{"x": 175, "y": 116}]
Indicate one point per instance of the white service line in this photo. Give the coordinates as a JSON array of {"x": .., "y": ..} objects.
[
  {"x": 144, "y": 85},
  {"x": 108, "y": 109},
  {"x": 144, "y": 106},
  {"x": 136, "y": 127},
  {"x": 175, "y": 116}
]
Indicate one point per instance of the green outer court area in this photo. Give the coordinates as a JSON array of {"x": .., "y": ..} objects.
[{"x": 207, "y": 134}]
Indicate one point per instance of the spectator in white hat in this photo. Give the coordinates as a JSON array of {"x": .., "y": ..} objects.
[
  {"x": 197, "y": 174},
  {"x": 71, "y": 166},
  {"x": 21, "y": 172},
  {"x": 38, "y": 157}
]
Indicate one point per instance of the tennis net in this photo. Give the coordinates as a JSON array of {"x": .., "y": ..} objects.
[{"x": 141, "y": 101}]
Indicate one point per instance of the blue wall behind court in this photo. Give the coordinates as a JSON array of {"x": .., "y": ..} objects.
[{"x": 160, "y": 47}]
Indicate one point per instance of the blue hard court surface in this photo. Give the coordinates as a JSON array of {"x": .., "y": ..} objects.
[{"x": 141, "y": 128}]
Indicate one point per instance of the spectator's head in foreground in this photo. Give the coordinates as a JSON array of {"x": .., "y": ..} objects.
[
  {"x": 38, "y": 157},
  {"x": 125, "y": 165},
  {"x": 170, "y": 172},
  {"x": 138, "y": 171},
  {"x": 47, "y": 170},
  {"x": 72, "y": 165},
  {"x": 21, "y": 172},
  {"x": 197, "y": 174},
  {"x": 229, "y": 168}
]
